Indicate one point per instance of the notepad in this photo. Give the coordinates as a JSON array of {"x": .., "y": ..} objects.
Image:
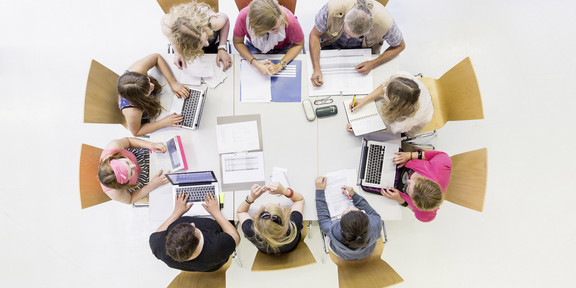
[{"x": 364, "y": 120}]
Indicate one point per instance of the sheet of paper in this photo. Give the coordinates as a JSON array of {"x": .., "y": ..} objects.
[
  {"x": 337, "y": 202},
  {"x": 237, "y": 137},
  {"x": 219, "y": 77},
  {"x": 280, "y": 175},
  {"x": 364, "y": 120},
  {"x": 242, "y": 167},
  {"x": 201, "y": 67},
  {"x": 339, "y": 73},
  {"x": 254, "y": 87}
]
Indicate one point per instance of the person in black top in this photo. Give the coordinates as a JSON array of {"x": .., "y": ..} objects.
[
  {"x": 272, "y": 229},
  {"x": 195, "y": 243}
]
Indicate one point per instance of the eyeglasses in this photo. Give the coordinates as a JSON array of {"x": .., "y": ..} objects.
[
  {"x": 266, "y": 215},
  {"x": 323, "y": 101}
]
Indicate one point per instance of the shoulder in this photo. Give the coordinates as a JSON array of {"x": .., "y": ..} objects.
[
  {"x": 248, "y": 228},
  {"x": 297, "y": 218},
  {"x": 218, "y": 21}
]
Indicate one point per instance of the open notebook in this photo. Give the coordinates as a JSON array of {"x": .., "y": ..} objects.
[{"x": 365, "y": 120}]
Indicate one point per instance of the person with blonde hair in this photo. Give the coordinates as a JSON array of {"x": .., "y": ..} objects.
[
  {"x": 406, "y": 104},
  {"x": 272, "y": 229},
  {"x": 269, "y": 29},
  {"x": 137, "y": 96},
  {"x": 194, "y": 29},
  {"x": 423, "y": 179},
  {"x": 123, "y": 169},
  {"x": 352, "y": 24}
]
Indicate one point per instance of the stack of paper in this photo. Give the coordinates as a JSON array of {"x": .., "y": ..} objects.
[{"x": 203, "y": 68}]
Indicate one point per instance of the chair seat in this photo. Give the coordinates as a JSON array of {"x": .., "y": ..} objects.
[{"x": 216, "y": 279}]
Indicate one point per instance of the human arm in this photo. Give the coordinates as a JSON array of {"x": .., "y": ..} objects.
[
  {"x": 401, "y": 158},
  {"x": 371, "y": 97},
  {"x": 359, "y": 201},
  {"x": 297, "y": 198},
  {"x": 212, "y": 206},
  {"x": 221, "y": 23},
  {"x": 314, "y": 40},
  {"x": 180, "y": 207},
  {"x": 245, "y": 53},
  {"x": 289, "y": 56},
  {"x": 389, "y": 54},
  {"x": 321, "y": 205},
  {"x": 394, "y": 194},
  {"x": 155, "y": 60},
  {"x": 133, "y": 118},
  {"x": 255, "y": 192}
]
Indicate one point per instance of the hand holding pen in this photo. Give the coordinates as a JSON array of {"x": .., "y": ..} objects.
[{"x": 348, "y": 191}]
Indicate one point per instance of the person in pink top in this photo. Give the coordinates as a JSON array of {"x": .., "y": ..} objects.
[
  {"x": 269, "y": 29},
  {"x": 119, "y": 172},
  {"x": 426, "y": 174}
]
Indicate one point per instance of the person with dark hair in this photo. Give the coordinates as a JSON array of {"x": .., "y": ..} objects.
[
  {"x": 354, "y": 235},
  {"x": 137, "y": 96},
  {"x": 195, "y": 243}
]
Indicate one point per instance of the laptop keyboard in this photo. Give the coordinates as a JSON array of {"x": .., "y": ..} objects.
[
  {"x": 196, "y": 193},
  {"x": 375, "y": 160},
  {"x": 190, "y": 107}
]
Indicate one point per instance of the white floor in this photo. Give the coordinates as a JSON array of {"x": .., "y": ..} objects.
[{"x": 522, "y": 52}]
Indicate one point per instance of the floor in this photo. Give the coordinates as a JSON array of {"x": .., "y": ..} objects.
[{"x": 523, "y": 56}]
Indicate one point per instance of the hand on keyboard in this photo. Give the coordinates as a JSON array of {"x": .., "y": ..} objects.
[
  {"x": 158, "y": 147},
  {"x": 172, "y": 120},
  {"x": 400, "y": 158},
  {"x": 181, "y": 206},
  {"x": 212, "y": 205},
  {"x": 392, "y": 193}
]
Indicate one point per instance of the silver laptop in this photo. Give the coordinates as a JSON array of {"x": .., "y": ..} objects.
[
  {"x": 376, "y": 168},
  {"x": 191, "y": 108},
  {"x": 196, "y": 184}
]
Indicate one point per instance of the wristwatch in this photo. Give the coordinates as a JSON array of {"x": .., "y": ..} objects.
[{"x": 284, "y": 64}]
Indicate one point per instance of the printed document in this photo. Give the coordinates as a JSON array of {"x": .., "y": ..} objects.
[
  {"x": 242, "y": 167},
  {"x": 254, "y": 87},
  {"x": 237, "y": 137},
  {"x": 337, "y": 201}
]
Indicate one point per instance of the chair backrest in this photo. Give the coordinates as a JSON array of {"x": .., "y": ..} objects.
[
  {"x": 301, "y": 256},
  {"x": 468, "y": 179},
  {"x": 101, "y": 100},
  {"x": 455, "y": 96},
  {"x": 370, "y": 272},
  {"x": 216, "y": 279},
  {"x": 90, "y": 190},
  {"x": 167, "y": 4},
  {"x": 290, "y": 4},
  {"x": 383, "y": 2}
]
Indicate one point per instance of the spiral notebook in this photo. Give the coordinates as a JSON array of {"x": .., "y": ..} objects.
[{"x": 365, "y": 120}]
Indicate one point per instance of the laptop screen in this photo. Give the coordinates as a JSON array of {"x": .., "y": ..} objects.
[
  {"x": 191, "y": 177},
  {"x": 173, "y": 152}
]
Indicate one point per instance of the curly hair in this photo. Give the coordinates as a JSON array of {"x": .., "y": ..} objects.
[
  {"x": 106, "y": 174},
  {"x": 427, "y": 194},
  {"x": 264, "y": 15},
  {"x": 268, "y": 234},
  {"x": 187, "y": 22},
  {"x": 181, "y": 242},
  {"x": 403, "y": 94},
  {"x": 134, "y": 87}
]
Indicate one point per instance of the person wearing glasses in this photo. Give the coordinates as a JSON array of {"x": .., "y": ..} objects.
[
  {"x": 123, "y": 169},
  {"x": 355, "y": 234},
  {"x": 137, "y": 96},
  {"x": 406, "y": 104},
  {"x": 272, "y": 229},
  {"x": 269, "y": 29}
]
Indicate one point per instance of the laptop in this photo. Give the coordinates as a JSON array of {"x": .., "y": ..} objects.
[
  {"x": 173, "y": 159},
  {"x": 376, "y": 168},
  {"x": 196, "y": 184},
  {"x": 191, "y": 108}
]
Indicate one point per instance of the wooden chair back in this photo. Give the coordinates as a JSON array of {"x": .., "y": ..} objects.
[
  {"x": 468, "y": 179},
  {"x": 370, "y": 272},
  {"x": 383, "y": 2},
  {"x": 290, "y": 4},
  {"x": 216, "y": 279},
  {"x": 455, "y": 96},
  {"x": 301, "y": 256},
  {"x": 101, "y": 99},
  {"x": 90, "y": 190},
  {"x": 167, "y": 4}
]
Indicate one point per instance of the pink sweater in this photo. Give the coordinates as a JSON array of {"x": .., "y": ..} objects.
[
  {"x": 436, "y": 167},
  {"x": 294, "y": 33}
]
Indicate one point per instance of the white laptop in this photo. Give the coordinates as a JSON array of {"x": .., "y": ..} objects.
[
  {"x": 190, "y": 107},
  {"x": 173, "y": 159},
  {"x": 376, "y": 167},
  {"x": 195, "y": 184}
]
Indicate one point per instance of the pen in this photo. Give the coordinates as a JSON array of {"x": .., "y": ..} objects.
[
  {"x": 348, "y": 194},
  {"x": 354, "y": 101},
  {"x": 221, "y": 200},
  {"x": 318, "y": 80}
]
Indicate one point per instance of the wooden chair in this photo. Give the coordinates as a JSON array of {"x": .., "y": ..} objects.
[
  {"x": 455, "y": 96},
  {"x": 301, "y": 256},
  {"x": 370, "y": 272},
  {"x": 216, "y": 279},
  {"x": 167, "y": 4},
  {"x": 383, "y": 2},
  {"x": 468, "y": 179},
  {"x": 90, "y": 190},
  {"x": 101, "y": 100},
  {"x": 290, "y": 4}
]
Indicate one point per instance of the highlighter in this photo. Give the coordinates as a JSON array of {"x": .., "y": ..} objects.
[{"x": 221, "y": 194}]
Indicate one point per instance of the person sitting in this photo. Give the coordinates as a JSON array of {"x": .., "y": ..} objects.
[
  {"x": 270, "y": 29},
  {"x": 138, "y": 92},
  {"x": 425, "y": 176},
  {"x": 195, "y": 243},
  {"x": 346, "y": 24},
  {"x": 123, "y": 174},
  {"x": 194, "y": 29},
  {"x": 406, "y": 104},
  {"x": 272, "y": 229},
  {"x": 354, "y": 235}
]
